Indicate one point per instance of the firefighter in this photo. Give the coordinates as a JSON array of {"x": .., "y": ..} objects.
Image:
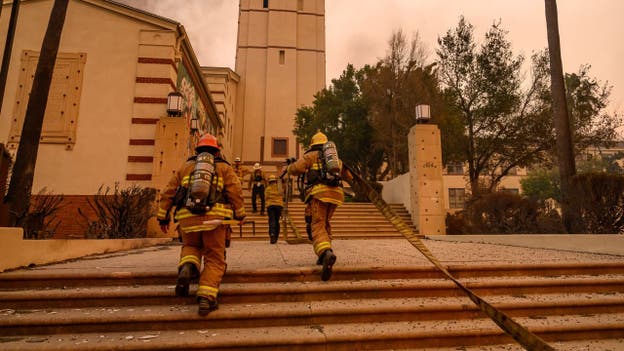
[
  {"x": 275, "y": 204},
  {"x": 322, "y": 196},
  {"x": 201, "y": 240},
  {"x": 257, "y": 183},
  {"x": 239, "y": 169}
]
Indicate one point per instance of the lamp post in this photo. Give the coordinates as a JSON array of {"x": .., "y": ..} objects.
[
  {"x": 194, "y": 125},
  {"x": 423, "y": 114},
  {"x": 174, "y": 104}
]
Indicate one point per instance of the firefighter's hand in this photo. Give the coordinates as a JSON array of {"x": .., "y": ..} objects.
[
  {"x": 241, "y": 220},
  {"x": 164, "y": 225}
]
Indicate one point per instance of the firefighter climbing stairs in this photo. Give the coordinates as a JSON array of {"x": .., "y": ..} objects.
[{"x": 290, "y": 309}]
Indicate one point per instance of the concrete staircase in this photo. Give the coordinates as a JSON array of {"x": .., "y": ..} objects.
[
  {"x": 353, "y": 220},
  {"x": 290, "y": 309}
]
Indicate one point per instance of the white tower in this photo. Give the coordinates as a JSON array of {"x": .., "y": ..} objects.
[{"x": 280, "y": 58}]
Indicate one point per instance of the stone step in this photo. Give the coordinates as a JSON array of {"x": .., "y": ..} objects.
[
  {"x": 348, "y": 336},
  {"x": 41, "y": 279},
  {"x": 110, "y": 296},
  {"x": 176, "y": 316},
  {"x": 290, "y": 309},
  {"x": 358, "y": 220}
]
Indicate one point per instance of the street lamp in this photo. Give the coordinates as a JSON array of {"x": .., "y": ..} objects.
[
  {"x": 174, "y": 104},
  {"x": 194, "y": 125},
  {"x": 423, "y": 114}
]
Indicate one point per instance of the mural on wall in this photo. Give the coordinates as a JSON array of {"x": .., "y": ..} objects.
[{"x": 193, "y": 108}]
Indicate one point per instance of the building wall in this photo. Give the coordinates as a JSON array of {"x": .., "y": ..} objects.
[
  {"x": 223, "y": 84},
  {"x": 109, "y": 42},
  {"x": 121, "y": 133},
  {"x": 281, "y": 61}
]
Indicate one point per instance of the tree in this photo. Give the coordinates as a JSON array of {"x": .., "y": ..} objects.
[
  {"x": 504, "y": 124},
  {"x": 392, "y": 88},
  {"x": 541, "y": 184},
  {"x": 340, "y": 112},
  {"x": 20, "y": 187},
  {"x": 565, "y": 151},
  {"x": 587, "y": 98}
]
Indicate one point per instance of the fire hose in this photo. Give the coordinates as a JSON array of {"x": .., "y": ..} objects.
[
  {"x": 286, "y": 220},
  {"x": 520, "y": 333}
]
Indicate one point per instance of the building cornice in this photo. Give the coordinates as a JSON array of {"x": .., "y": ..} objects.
[
  {"x": 278, "y": 47},
  {"x": 303, "y": 13},
  {"x": 213, "y": 71}
]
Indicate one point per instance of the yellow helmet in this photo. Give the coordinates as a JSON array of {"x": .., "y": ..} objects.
[
  {"x": 272, "y": 178},
  {"x": 318, "y": 139}
]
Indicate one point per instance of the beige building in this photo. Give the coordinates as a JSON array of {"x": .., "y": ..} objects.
[
  {"x": 223, "y": 84},
  {"x": 280, "y": 59},
  {"x": 106, "y": 120},
  {"x": 457, "y": 185}
]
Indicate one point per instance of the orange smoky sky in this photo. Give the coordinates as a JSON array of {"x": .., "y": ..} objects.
[{"x": 357, "y": 31}]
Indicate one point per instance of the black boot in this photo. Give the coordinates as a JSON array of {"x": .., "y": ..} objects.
[
  {"x": 328, "y": 262},
  {"x": 273, "y": 239},
  {"x": 206, "y": 305},
  {"x": 186, "y": 273}
]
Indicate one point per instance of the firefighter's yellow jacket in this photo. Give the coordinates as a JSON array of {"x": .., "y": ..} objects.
[
  {"x": 326, "y": 193},
  {"x": 240, "y": 170},
  {"x": 273, "y": 196},
  {"x": 229, "y": 202}
]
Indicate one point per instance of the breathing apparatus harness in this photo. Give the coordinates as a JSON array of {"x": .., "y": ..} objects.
[{"x": 201, "y": 193}]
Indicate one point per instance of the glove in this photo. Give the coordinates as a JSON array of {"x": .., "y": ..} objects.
[
  {"x": 240, "y": 219},
  {"x": 164, "y": 225}
]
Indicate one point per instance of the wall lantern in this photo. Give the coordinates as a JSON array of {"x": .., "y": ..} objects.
[
  {"x": 423, "y": 114},
  {"x": 174, "y": 104},
  {"x": 194, "y": 125}
]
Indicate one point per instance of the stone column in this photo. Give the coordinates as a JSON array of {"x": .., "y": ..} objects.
[{"x": 426, "y": 187}]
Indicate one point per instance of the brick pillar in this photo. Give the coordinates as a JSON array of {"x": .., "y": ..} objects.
[
  {"x": 155, "y": 79},
  {"x": 426, "y": 187}
]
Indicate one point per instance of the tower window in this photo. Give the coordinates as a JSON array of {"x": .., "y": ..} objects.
[
  {"x": 265, "y": 4},
  {"x": 282, "y": 57},
  {"x": 279, "y": 147}
]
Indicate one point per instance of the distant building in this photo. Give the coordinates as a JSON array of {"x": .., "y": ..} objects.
[{"x": 457, "y": 189}]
